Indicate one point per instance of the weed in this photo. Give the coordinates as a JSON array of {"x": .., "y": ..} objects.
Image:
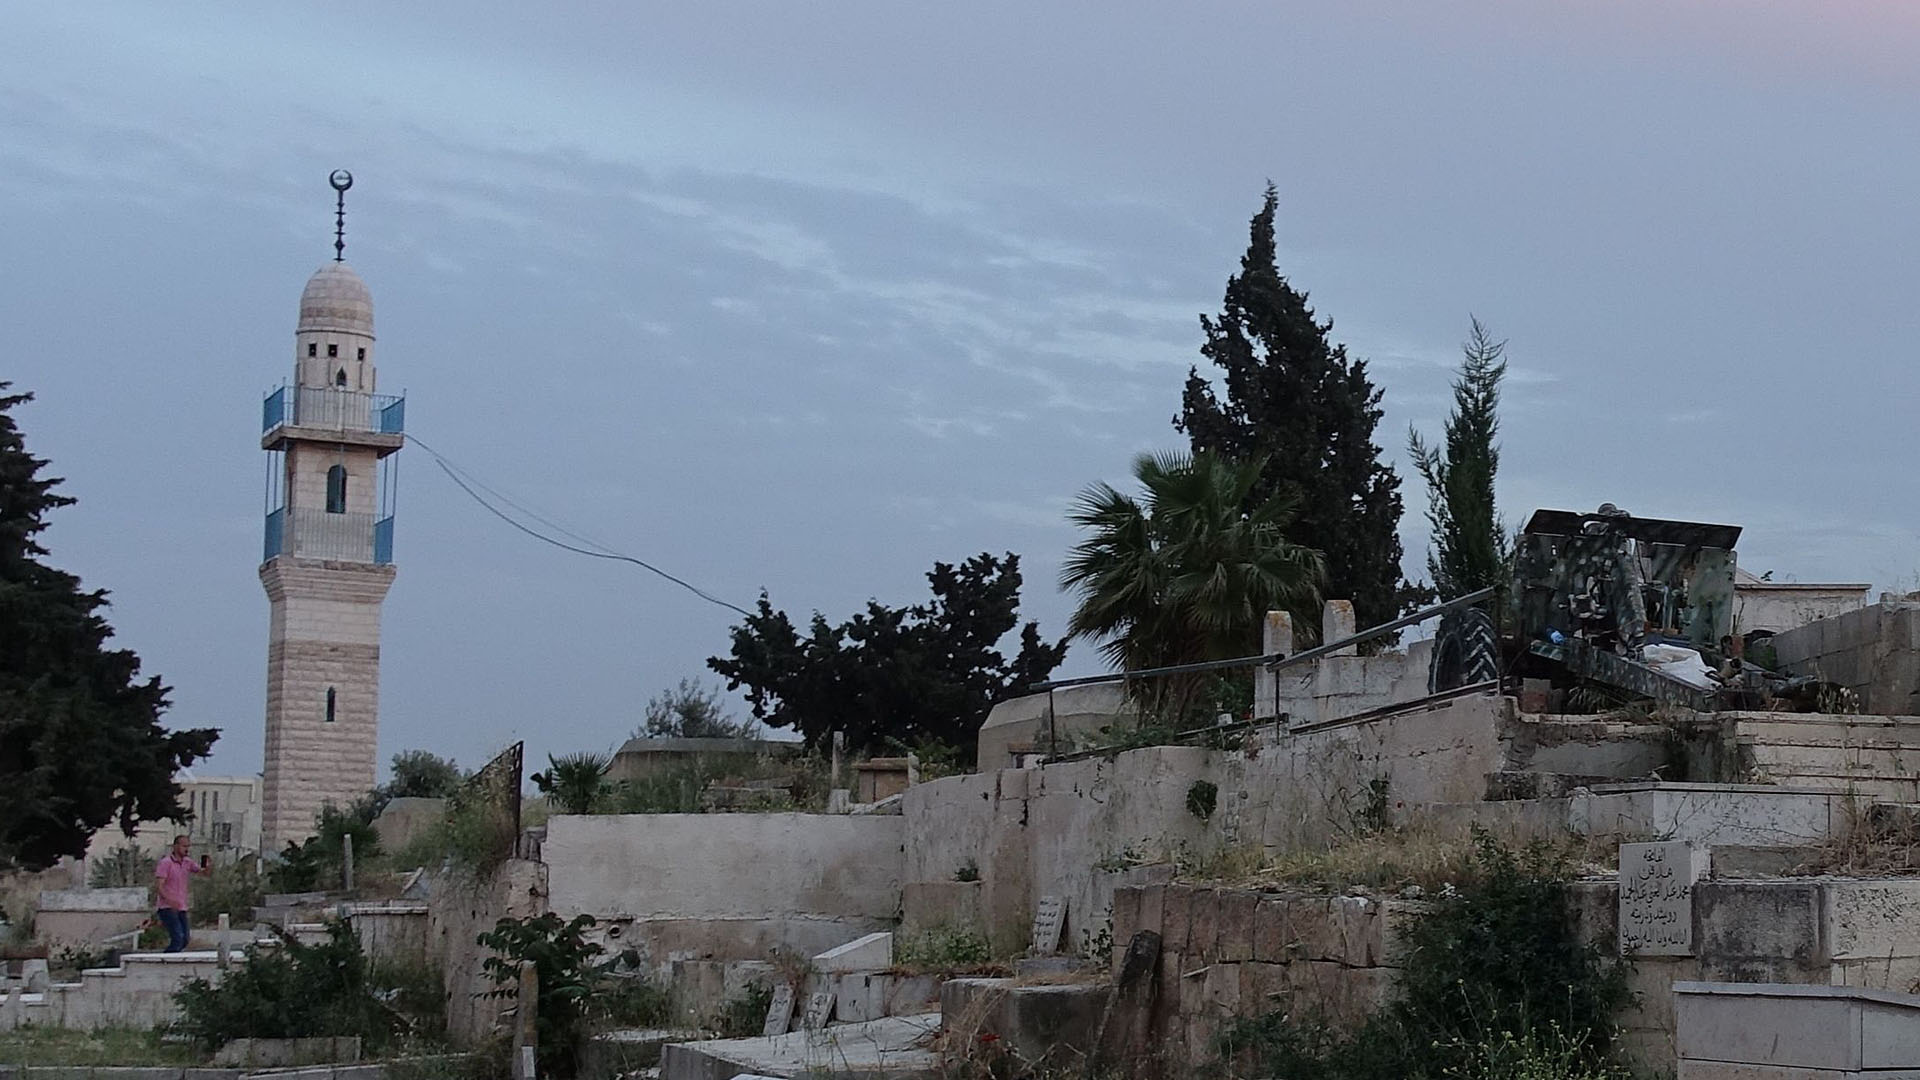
[
  {"x": 1098, "y": 945},
  {"x": 969, "y": 871},
  {"x": 621, "y": 1001},
  {"x": 1202, "y": 797},
  {"x": 1374, "y": 814},
  {"x": 744, "y": 1014},
  {"x": 1126, "y": 858},
  {"x": 942, "y": 948}
]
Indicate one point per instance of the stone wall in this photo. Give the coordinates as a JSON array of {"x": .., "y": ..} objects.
[
  {"x": 727, "y": 886},
  {"x": 1875, "y": 651},
  {"x": 1228, "y": 953},
  {"x": 460, "y": 909}
]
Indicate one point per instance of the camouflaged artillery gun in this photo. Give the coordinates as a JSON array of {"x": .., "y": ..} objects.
[{"x": 1625, "y": 608}]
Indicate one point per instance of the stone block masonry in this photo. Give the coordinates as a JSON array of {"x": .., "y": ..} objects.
[{"x": 323, "y": 689}]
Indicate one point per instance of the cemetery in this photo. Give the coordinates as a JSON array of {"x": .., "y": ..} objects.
[{"x": 1131, "y": 905}]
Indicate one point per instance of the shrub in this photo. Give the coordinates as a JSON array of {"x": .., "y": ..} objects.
[
  {"x": 233, "y": 889},
  {"x": 473, "y": 834},
  {"x": 123, "y": 867},
  {"x": 745, "y": 1014},
  {"x": 563, "y": 961},
  {"x": 942, "y": 948},
  {"x": 289, "y": 992}
]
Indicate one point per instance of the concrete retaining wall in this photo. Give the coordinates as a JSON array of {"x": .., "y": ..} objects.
[
  {"x": 727, "y": 886},
  {"x": 1071, "y": 829}
]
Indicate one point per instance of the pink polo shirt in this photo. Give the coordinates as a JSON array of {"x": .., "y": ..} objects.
[{"x": 170, "y": 876}]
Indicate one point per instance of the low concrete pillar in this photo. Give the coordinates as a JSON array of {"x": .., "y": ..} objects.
[
  {"x": 1336, "y": 622},
  {"x": 526, "y": 1041},
  {"x": 1276, "y": 637},
  {"x": 226, "y": 940}
]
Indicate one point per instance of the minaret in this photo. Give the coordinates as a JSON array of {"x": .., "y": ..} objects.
[{"x": 328, "y": 563}]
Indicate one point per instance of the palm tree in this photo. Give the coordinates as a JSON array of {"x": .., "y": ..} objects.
[
  {"x": 1183, "y": 574},
  {"x": 574, "y": 782}
]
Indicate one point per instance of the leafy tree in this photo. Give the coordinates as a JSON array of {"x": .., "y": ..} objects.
[
  {"x": 1470, "y": 548},
  {"x": 81, "y": 744},
  {"x": 926, "y": 673},
  {"x": 126, "y": 865},
  {"x": 573, "y": 782},
  {"x": 1294, "y": 400},
  {"x": 320, "y": 861},
  {"x": 692, "y": 711},
  {"x": 422, "y": 774},
  {"x": 1184, "y": 574}
]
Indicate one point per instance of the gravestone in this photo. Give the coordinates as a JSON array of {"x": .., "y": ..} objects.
[
  {"x": 1656, "y": 897},
  {"x": 779, "y": 1011},
  {"x": 819, "y": 1010},
  {"x": 1048, "y": 920}
]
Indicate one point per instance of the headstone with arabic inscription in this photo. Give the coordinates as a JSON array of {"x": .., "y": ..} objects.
[
  {"x": 819, "y": 1010},
  {"x": 779, "y": 1011},
  {"x": 1656, "y": 897},
  {"x": 1048, "y": 920}
]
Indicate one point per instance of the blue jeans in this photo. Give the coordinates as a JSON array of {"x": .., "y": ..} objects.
[{"x": 176, "y": 926}]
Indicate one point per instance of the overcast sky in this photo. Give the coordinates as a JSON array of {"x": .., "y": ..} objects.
[{"x": 805, "y": 297}]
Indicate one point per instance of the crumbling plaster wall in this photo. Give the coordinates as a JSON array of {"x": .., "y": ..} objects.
[
  {"x": 727, "y": 886},
  {"x": 459, "y": 909},
  {"x": 1072, "y": 828}
]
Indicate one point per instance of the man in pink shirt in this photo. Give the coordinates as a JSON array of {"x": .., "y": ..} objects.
[{"x": 170, "y": 877}]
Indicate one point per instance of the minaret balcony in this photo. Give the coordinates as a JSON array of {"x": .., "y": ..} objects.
[
  {"x": 327, "y": 414},
  {"x": 316, "y": 534}
]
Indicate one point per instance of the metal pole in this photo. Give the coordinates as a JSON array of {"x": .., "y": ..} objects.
[
  {"x": 346, "y": 861},
  {"x": 1276, "y": 660}
]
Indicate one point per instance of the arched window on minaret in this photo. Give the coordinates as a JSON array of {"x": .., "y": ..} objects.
[
  {"x": 340, "y": 378},
  {"x": 330, "y": 701},
  {"x": 337, "y": 490}
]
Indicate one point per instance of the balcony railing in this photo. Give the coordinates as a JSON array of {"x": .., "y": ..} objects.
[
  {"x": 335, "y": 410},
  {"x": 316, "y": 534}
]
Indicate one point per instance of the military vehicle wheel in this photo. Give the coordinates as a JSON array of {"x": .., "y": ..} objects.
[{"x": 1465, "y": 651}]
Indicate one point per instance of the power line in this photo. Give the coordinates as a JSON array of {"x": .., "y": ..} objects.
[{"x": 604, "y": 552}]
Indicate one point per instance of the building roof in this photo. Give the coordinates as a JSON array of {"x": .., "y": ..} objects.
[
  {"x": 1744, "y": 580},
  {"x": 335, "y": 299}
]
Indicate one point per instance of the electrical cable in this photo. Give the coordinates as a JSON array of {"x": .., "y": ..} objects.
[{"x": 604, "y": 552}]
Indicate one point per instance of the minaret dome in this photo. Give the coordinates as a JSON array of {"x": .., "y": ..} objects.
[{"x": 333, "y": 344}]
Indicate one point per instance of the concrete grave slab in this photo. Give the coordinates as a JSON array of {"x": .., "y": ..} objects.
[
  {"x": 1807, "y": 1027},
  {"x": 894, "y": 1048},
  {"x": 873, "y": 952}
]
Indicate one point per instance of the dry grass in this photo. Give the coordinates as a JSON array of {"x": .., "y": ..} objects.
[
  {"x": 1385, "y": 861},
  {"x": 1886, "y": 844}
]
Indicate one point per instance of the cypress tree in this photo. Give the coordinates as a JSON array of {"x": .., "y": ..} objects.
[
  {"x": 81, "y": 744},
  {"x": 1296, "y": 398},
  {"x": 1470, "y": 550}
]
